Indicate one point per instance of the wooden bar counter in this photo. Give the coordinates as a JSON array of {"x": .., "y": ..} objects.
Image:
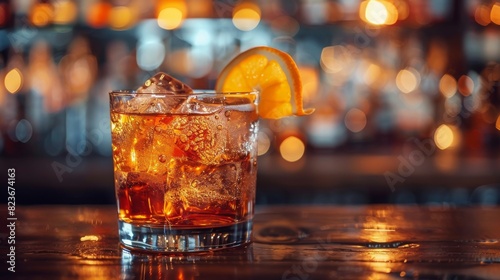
[{"x": 289, "y": 242}]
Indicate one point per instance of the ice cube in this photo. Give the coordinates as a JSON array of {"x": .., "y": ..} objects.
[
  {"x": 147, "y": 104},
  {"x": 143, "y": 179},
  {"x": 162, "y": 148},
  {"x": 201, "y": 138},
  {"x": 156, "y": 104},
  {"x": 165, "y": 84},
  {"x": 200, "y": 105},
  {"x": 167, "y": 95},
  {"x": 145, "y": 194},
  {"x": 201, "y": 186},
  {"x": 242, "y": 131}
]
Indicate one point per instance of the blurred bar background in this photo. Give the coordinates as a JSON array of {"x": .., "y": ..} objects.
[{"x": 406, "y": 93}]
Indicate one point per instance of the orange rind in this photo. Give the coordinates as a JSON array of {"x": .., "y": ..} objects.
[{"x": 273, "y": 74}]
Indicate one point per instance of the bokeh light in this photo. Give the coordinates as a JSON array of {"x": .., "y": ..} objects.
[
  {"x": 150, "y": 54},
  {"x": 24, "y": 131},
  {"x": 372, "y": 74},
  {"x": 378, "y": 12},
  {"x": 335, "y": 59},
  {"x": 13, "y": 80},
  {"x": 495, "y": 13},
  {"x": 465, "y": 85},
  {"x": 246, "y": 16},
  {"x": 443, "y": 137},
  {"x": 121, "y": 17},
  {"x": 482, "y": 15},
  {"x": 98, "y": 14},
  {"x": 263, "y": 143},
  {"x": 41, "y": 14},
  {"x": 404, "y": 77},
  {"x": 292, "y": 149},
  {"x": 355, "y": 120},
  {"x": 65, "y": 12},
  {"x": 448, "y": 85},
  {"x": 407, "y": 80},
  {"x": 170, "y": 18},
  {"x": 446, "y": 136},
  {"x": 171, "y": 14}
]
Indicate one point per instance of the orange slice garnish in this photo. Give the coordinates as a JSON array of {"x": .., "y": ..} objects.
[{"x": 272, "y": 73}]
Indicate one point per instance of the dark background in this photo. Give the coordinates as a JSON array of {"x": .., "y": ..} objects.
[{"x": 405, "y": 113}]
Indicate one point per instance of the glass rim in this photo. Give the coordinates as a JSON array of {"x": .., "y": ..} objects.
[{"x": 196, "y": 92}]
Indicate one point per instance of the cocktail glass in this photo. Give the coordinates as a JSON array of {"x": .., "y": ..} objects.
[{"x": 185, "y": 169}]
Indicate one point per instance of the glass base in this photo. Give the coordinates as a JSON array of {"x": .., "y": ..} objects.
[{"x": 172, "y": 240}]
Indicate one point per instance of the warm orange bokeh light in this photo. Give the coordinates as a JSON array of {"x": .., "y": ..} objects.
[
  {"x": 407, "y": 80},
  {"x": 482, "y": 15},
  {"x": 355, "y": 120},
  {"x": 13, "y": 80},
  {"x": 372, "y": 74},
  {"x": 495, "y": 13},
  {"x": 41, "y": 14},
  {"x": 171, "y": 14},
  {"x": 465, "y": 85},
  {"x": 448, "y": 85},
  {"x": 443, "y": 137},
  {"x": 121, "y": 17},
  {"x": 65, "y": 12},
  {"x": 335, "y": 59},
  {"x": 246, "y": 16},
  {"x": 98, "y": 14},
  {"x": 170, "y": 18},
  {"x": 378, "y": 12},
  {"x": 446, "y": 137},
  {"x": 292, "y": 149}
]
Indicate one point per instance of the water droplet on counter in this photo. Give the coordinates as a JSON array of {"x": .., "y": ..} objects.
[
  {"x": 396, "y": 244},
  {"x": 98, "y": 253},
  {"x": 488, "y": 241},
  {"x": 280, "y": 234},
  {"x": 409, "y": 245}
]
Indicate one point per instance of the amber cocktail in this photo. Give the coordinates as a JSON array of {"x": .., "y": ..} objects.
[
  {"x": 185, "y": 169},
  {"x": 185, "y": 161}
]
